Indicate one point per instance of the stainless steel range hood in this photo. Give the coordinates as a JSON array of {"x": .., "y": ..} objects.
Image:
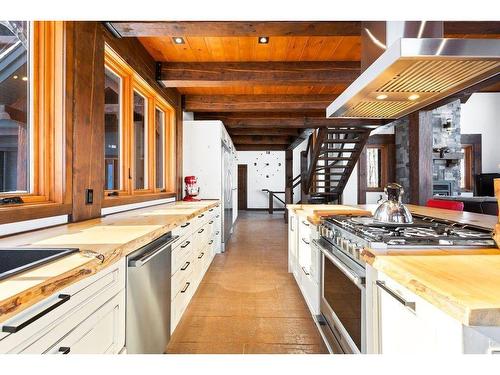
[{"x": 415, "y": 72}]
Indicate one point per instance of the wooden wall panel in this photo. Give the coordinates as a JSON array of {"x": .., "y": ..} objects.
[
  {"x": 420, "y": 140},
  {"x": 88, "y": 118}
]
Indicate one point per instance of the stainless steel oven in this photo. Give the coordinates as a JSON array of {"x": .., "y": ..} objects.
[{"x": 342, "y": 320}]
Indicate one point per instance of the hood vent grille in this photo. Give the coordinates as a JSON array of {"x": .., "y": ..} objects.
[
  {"x": 436, "y": 76},
  {"x": 376, "y": 109},
  {"x": 414, "y": 73}
]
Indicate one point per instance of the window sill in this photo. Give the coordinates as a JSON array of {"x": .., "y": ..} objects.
[
  {"x": 143, "y": 197},
  {"x": 29, "y": 211}
]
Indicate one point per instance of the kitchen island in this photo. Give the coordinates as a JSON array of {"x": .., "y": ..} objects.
[{"x": 455, "y": 288}]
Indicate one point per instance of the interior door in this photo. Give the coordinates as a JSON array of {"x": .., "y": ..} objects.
[{"x": 242, "y": 186}]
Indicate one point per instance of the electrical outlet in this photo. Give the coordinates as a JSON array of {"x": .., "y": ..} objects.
[{"x": 89, "y": 196}]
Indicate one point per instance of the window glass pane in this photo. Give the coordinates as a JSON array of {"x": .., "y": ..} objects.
[
  {"x": 140, "y": 141},
  {"x": 160, "y": 147},
  {"x": 373, "y": 167},
  {"x": 14, "y": 107},
  {"x": 112, "y": 121}
]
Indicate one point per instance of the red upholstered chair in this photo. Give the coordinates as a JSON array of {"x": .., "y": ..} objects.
[{"x": 448, "y": 205}]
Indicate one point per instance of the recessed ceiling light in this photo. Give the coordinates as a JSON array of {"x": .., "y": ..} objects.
[
  {"x": 25, "y": 78},
  {"x": 15, "y": 77},
  {"x": 263, "y": 39},
  {"x": 381, "y": 97},
  {"x": 178, "y": 39},
  {"x": 413, "y": 97}
]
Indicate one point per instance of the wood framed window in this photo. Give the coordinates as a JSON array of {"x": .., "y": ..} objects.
[
  {"x": 140, "y": 162},
  {"x": 376, "y": 167},
  {"x": 466, "y": 172},
  {"x": 32, "y": 119}
]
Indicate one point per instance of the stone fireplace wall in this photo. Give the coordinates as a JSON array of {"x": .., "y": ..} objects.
[{"x": 441, "y": 169}]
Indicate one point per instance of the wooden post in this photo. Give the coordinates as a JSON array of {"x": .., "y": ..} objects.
[
  {"x": 271, "y": 208},
  {"x": 420, "y": 140}
]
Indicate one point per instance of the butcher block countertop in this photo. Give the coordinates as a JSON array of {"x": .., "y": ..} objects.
[
  {"x": 314, "y": 212},
  {"x": 114, "y": 236},
  {"x": 462, "y": 283}
]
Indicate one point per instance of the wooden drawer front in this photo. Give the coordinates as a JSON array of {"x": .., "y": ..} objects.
[
  {"x": 180, "y": 302},
  {"x": 183, "y": 275},
  {"x": 304, "y": 228},
  {"x": 185, "y": 228},
  {"x": 92, "y": 330},
  {"x": 201, "y": 237},
  {"x": 90, "y": 291},
  {"x": 182, "y": 252}
]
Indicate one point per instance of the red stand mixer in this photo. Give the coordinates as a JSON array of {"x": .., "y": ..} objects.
[{"x": 192, "y": 189}]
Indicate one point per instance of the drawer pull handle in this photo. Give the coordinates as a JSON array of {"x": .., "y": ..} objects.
[
  {"x": 211, "y": 210},
  {"x": 185, "y": 266},
  {"x": 186, "y": 244},
  {"x": 304, "y": 269},
  {"x": 185, "y": 225},
  {"x": 201, "y": 230},
  {"x": 211, "y": 242},
  {"x": 64, "y": 350},
  {"x": 200, "y": 216},
  {"x": 13, "y": 329},
  {"x": 305, "y": 223},
  {"x": 410, "y": 305},
  {"x": 201, "y": 255},
  {"x": 211, "y": 222},
  {"x": 217, "y": 233},
  {"x": 185, "y": 287},
  {"x": 217, "y": 216},
  {"x": 307, "y": 243}
]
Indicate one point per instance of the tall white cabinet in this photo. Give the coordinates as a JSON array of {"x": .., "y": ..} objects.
[{"x": 210, "y": 155}]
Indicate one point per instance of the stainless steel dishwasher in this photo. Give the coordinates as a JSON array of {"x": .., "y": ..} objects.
[{"x": 148, "y": 297}]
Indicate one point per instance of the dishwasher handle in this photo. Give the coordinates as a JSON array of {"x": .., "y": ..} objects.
[{"x": 135, "y": 263}]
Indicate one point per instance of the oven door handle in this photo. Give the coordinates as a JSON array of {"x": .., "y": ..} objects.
[{"x": 351, "y": 275}]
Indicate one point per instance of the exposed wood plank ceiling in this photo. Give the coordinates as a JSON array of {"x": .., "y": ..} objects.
[{"x": 267, "y": 95}]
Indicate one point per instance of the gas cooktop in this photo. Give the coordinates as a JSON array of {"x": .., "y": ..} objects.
[
  {"x": 350, "y": 234},
  {"x": 422, "y": 231}
]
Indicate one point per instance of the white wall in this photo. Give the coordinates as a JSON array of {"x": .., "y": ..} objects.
[
  {"x": 481, "y": 115},
  {"x": 257, "y": 180},
  {"x": 350, "y": 194}
]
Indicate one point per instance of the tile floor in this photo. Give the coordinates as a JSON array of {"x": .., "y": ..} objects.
[{"x": 247, "y": 301}]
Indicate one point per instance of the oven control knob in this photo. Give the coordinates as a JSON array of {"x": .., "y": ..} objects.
[{"x": 346, "y": 245}]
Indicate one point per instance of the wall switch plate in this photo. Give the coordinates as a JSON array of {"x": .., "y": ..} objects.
[{"x": 89, "y": 196}]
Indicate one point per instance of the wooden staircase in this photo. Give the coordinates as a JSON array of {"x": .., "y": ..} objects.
[{"x": 331, "y": 156}]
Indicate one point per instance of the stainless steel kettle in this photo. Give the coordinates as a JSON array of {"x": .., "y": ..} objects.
[{"x": 392, "y": 210}]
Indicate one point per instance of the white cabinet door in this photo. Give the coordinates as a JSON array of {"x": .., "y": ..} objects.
[
  {"x": 292, "y": 243},
  {"x": 407, "y": 324},
  {"x": 100, "y": 333}
]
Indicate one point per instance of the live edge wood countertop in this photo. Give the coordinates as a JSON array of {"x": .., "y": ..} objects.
[
  {"x": 462, "y": 283},
  {"x": 114, "y": 236}
]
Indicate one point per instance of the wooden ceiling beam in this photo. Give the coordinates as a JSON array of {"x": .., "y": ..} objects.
[
  {"x": 261, "y": 140},
  {"x": 236, "y": 28},
  {"x": 291, "y": 132},
  {"x": 276, "y": 28},
  {"x": 256, "y": 103},
  {"x": 221, "y": 74},
  {"x": 460, "y": 28},
  {"x": 255, "y": 147},
  {"x": 289, "y": 121}
]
